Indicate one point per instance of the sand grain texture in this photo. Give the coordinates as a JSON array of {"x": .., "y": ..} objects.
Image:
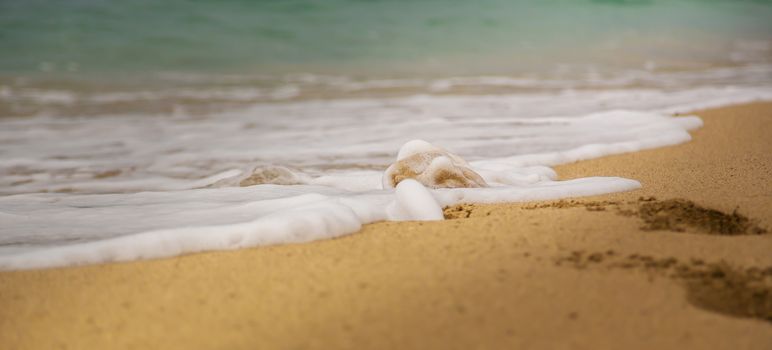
[{"x": 619, "y": 271}]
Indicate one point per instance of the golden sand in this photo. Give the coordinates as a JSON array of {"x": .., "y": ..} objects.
[{"x": 681, "y": 263}]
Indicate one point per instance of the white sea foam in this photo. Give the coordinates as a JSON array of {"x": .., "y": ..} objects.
[
  {"x": 125, "y": 187},
  {"x": 48, "y": 230},
  {"x": 244, "y": 88},
  {"x": 413, "y": 201}
]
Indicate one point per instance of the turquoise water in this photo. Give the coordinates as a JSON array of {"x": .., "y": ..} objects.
[
  {"x": 91, "y": 57},
  {"x": 143, "y": 38}
]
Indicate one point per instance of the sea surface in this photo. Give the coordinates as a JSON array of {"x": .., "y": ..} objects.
[{"x": 145, "y": 129}]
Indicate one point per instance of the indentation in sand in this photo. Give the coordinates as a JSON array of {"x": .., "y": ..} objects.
[
  {"x": 675, "y": 215},
  {"x": 717, "y": 286},
  {"x": 714, "y": 286},
  {"x": 459, "y": 211}
]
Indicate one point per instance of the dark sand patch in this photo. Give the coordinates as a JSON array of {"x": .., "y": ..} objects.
[
  {"x": 108, "y": 173},
  {"x": 276, "y": 175},
  {"x": 460, "y": 211},
  {"x": 675, "y": 215},
  {"x": 716, "y": 287}
]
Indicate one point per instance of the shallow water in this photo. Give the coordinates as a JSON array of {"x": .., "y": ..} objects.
[{"x": 87, "y": 190}]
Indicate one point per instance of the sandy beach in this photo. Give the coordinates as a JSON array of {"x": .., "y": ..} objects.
[{"x": 683, "y": 263}]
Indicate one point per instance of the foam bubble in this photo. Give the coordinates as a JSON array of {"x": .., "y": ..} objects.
[
  {"x": 431, "y": 166},
  {"x": 413, "y": 202}
]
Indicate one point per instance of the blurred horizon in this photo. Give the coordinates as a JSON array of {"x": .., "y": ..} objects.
[{"x": 94, "y": 57}]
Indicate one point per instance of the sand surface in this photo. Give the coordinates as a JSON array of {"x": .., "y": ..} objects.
[{"x": 683, "y": 263}]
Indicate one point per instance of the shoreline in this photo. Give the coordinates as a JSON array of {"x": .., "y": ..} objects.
[{"x": 622, "y": 270}]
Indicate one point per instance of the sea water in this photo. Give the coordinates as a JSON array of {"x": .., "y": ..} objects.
[{"x": 133, "y": 130}]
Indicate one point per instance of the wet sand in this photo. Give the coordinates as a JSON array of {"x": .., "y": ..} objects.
[{"x": 683, "y": 263}]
